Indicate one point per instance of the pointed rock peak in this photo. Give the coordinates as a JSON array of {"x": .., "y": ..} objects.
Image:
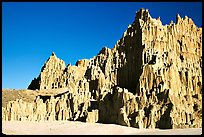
[
  {"x": 190, "y": 21},
  {"x": 52, "y": 57},
  {"x": 53, "y": 54},
  {"x": 52, "y": 61},
  {"x": 105, "y": 50},
  {"x": 142, "y": 10},
  {"x": 178, "y": 18},
  {"x": 142, "y": 14},
  {"x": 186, "y": 18}
]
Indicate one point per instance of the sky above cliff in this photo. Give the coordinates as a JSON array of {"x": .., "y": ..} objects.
[{"x": 32, "y": 31}]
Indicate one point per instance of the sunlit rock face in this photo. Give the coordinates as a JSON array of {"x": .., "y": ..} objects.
[{"x": 152, "y": 78}]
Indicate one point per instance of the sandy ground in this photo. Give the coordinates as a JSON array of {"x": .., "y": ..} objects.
[{"x": 81, "y": 128}]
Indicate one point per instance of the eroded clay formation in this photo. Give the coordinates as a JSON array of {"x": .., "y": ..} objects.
[{"x": 152, "y": 78}]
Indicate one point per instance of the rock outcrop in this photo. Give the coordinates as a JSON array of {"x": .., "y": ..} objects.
[{"x": 152, "y": 78}]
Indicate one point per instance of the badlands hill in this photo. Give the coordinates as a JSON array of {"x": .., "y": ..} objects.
[{"x": 151, "y": 78}]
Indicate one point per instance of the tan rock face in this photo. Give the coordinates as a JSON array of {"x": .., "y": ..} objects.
[
  {"x": 50, "y": 76},
  {"x": 152, "y": 78}
]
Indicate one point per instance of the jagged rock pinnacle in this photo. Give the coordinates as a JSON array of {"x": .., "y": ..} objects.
[
  {"x": 178, "y": 18},
  {"x": 53, "y": 54},
  {"x": 143, "y": 14}
]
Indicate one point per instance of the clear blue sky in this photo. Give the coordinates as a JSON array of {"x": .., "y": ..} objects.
[{"x": 31, "y": 31}]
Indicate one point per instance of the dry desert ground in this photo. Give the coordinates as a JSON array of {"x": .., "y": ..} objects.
[{"x": 81, "y": 128}]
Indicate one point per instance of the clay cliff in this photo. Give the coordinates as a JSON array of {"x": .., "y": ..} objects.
[{"x": 151, "y": 78}]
